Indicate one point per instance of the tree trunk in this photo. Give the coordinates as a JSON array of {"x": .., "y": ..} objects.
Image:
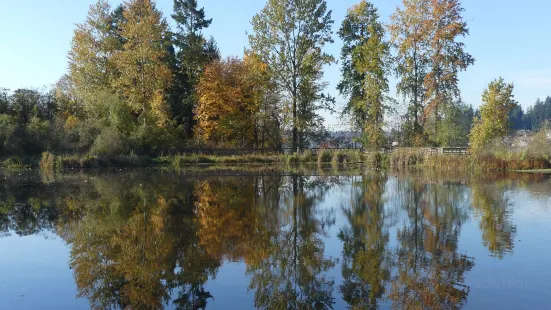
[{"x": 294, "y": 146}]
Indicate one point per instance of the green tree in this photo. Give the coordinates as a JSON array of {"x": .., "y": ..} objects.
[
  {"x": 365, "y": 56},
  {"x": 455, "y": 124},
  {"x": 289, "y": 37},
  {"x": 494, "y": 114},
  {"x": 193, "y": 53}
]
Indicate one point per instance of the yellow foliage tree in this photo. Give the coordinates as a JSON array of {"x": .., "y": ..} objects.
[
  {"x": 494, "y": 114},
  {"x": 228, "y": 102},
  {"x": 144, "y": 75},
  {"x": 91, "y": 66}
]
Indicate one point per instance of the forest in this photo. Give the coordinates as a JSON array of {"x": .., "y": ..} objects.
[{"x": 134, "y": 85}]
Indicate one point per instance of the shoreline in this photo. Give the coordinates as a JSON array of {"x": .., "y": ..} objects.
[{"x": 342, "y": 159}]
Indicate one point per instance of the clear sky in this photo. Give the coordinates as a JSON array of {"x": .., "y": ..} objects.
[{"x": 509, "y": 38}]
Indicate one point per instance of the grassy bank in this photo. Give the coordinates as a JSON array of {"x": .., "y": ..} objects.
[
  {"x": 399, "y": 160},
  {"x": 324, "y": 157},
  {"x": 408, "y": 158}
]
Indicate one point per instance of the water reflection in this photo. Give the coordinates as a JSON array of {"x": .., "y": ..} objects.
[
  {"x": 430, "y": 272},
  {"x": 153, "y": 240},
  {"x": 367, "y": 261}
]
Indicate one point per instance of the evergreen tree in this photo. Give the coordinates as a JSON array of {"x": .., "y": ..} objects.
[
  {"x": 455, "y": 125},
  {"x": 193, "y": 53}
]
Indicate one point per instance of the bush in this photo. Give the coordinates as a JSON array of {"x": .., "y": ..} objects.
[
  {"x": 13, "y": 162},
  {"x": 307, "y": 157},
  {"x": 47, "y": 161},
  {"x": 324, "y": 156},
  {"x": 339, "y": 158},
  {"x": 355, "y": 156},
  {"x": 294, "y": 158},
  {"x": 375, "y": 160},
  {"x": 539, "y": 146},
  {"x": 110, "y": 143}
]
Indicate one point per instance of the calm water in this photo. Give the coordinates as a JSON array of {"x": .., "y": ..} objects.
[{"x": 147, "y": 239}]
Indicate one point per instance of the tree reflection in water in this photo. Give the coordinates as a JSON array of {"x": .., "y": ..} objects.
[
  {"x": 366, "y": 262},
  {"x": 148, "y": 241},
  {"x": 430, "y": 274}
]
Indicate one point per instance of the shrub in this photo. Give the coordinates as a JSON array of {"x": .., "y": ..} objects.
[
  {"x": 307, "y": 157},
  {"x": 47, "y": 161},
  {"x": 374, "y": 160},
  {"x": 354, "y": 156},
  {"x": 324, "y": 156},
  {"x": 110, "y": 143},
  {"x": 339, "y": 158},
  {"x": 292, "y": 158},
  {"x": 13, "y": 162},
  {"x": 539, "y": 146}
]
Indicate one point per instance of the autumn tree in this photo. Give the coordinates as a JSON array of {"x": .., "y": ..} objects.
[
  {"x": 447, "y": 57},
  {"x": 429, "y": 55},
  {"x": 289, "y": 37},
  {"x": 498, "y": 101},
  {"x": 494, "y": 211},
  {"x": 227, "y": 104},
  {"x": 193, "y": 53},
  {"x": 365, "y": 56},
  {"x": 144, "y": 76},
  {"x": 367, "y": 259},
  {"x": 409, "y": 38},
  {"x": 91, "y": 65}
]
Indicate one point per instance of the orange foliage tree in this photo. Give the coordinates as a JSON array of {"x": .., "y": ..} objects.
[{"x": 229, "y": 100}]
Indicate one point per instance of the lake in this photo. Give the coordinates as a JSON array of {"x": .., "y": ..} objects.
[{"x": 305, "y": 239}]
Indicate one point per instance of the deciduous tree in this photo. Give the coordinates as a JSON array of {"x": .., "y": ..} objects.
[
  {"x": 91, "y": 66},
  {"x": 447, "y": 57},
  {"x": 365, "y": 57},
  {"x": 227, "y": 104},
  {"x": 409, "y": 38},
  {"x": 289, "y": 37},
  {"x": 144, "y": 76},
  {"x": 494, "y": 114}
]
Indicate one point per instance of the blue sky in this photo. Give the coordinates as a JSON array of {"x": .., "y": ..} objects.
[{"x": 509, "y": 38}]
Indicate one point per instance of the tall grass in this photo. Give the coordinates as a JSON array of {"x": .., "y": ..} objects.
[
  {"x": 490, "y": 159},
  {"x": 407, "y": 157},
  {"x": 324, "y": 156},
  {"x": 50, "y": 161}
]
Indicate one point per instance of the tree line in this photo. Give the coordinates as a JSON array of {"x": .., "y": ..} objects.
[{"x": 134, "y": 85}]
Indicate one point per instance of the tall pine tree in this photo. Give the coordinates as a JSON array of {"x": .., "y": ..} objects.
[{"x": 193, "y": 53}]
